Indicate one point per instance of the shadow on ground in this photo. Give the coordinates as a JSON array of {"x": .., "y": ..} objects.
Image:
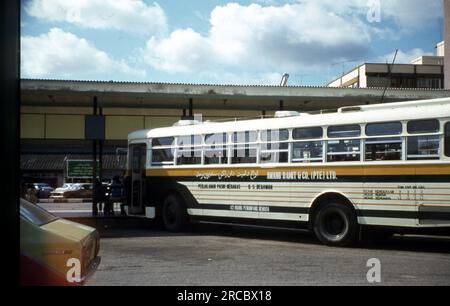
[{"x": 127, "y": 227}]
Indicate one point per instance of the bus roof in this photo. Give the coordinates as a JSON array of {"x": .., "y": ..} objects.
[{"x": 422, "y": 109}]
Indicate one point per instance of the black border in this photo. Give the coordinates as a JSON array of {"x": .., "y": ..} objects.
[{"x": 10, "y": 110}]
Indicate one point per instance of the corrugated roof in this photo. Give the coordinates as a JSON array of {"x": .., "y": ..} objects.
[{"x": 229, "y": 85}]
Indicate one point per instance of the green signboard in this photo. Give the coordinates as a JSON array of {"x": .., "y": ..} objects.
[{"x": 79, "y": 168}]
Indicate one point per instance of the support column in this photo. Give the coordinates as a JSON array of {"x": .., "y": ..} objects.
[
  {"x": 191, "y": 108},
  {"x": 94, "y": 163},
  {"x": 100, "y": 152}
]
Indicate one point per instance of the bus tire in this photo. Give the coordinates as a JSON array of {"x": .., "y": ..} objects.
[
  {"x": 335, "y": 224},
  {"x": 174, "y": 214}
]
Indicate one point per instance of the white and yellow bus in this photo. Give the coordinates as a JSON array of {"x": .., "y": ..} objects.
[{"x": 385, "y": 165}]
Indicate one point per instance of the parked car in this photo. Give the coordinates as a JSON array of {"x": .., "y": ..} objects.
[
  {"x": 51, "y": 247},
  {"x": 43, "y": 190},
  {"x": 79, "y": 190},
  {"x": 64, "y": 187}
]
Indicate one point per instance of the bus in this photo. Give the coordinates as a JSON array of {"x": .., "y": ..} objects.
[{"x": 382, "y": 166}]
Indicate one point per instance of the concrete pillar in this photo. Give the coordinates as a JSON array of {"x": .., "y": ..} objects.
[{"x": 447, "y": 44}]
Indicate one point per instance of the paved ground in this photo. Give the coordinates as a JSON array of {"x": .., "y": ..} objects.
[
  {"x": 135, "y": 252},
  {"x": 225, "y": 255},
  {"x": 68, "y": 210}
]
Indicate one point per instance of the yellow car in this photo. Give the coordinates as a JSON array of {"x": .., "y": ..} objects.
[{"x": 55, "y": 251}]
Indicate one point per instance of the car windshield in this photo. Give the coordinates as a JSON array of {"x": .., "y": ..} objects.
[{"x": 35, "y": 214}]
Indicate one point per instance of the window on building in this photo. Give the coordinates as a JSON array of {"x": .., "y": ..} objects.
[
  {"x": 447, "y": 139},
  {"x": 423, "y": 147},
  {"x": 383, "y": 128},
  {"x": 307, "y": 151},
  {"x": 343, "y": 150},
  {"x": 403, "y": 82},
  {"x": 353, "y": 130},
  {"x": 307, "y": 133},
  {"x": 383, "y": 149},
  {"x": 423, "y": 126},
  {"x": 429, "y": 83}
]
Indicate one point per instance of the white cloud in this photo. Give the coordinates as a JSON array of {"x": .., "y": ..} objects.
[
  {"x": 403, "y": 57},
  {"x": 180, "y": 52},
  {"x": 263, "y": 39},
  {"x": 412, "y": 15},
  {"x": 125, "y": 15},
  {"x": 408, "y": 15},
  {"x": 60, "y": 54}
]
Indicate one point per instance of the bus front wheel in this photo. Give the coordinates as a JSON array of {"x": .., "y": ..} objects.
[
  {"x": 335, "y": 224},
  {"x": 174, "y": 214}
]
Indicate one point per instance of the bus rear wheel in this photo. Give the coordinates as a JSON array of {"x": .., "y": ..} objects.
[
  {"x": 174, "y": 214},
  {"x": 335, "y": 224}
]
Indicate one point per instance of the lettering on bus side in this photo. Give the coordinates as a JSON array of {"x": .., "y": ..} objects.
[
  {"x": 250, "y": 208},
  {"x": 302, "y": 175}
]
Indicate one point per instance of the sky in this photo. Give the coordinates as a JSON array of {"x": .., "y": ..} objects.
[{"x": 221, "y": 42}]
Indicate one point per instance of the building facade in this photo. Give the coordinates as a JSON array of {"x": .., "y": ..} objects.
[{"x": 423, "y": 72}]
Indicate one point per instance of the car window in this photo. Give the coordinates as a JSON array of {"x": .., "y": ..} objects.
[{"x": 35, "y": 214}]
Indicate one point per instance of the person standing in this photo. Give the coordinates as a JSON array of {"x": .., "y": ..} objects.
[
  {"x": 126, "y": 193},
  {"x": 116, "y": 194},
  {"x": 99, "y": 195}
]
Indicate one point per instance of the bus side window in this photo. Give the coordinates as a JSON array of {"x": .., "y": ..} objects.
[
  {"x": 162, "y": 156},
  {"x": 307, "y": 151},
  {"x": 189, "y": 150},
  {"x": 274, "y": 146},
  {"x": 382, "y": 147},
  {"x": 344, "y": 149},
  {"x": 447, "y": 139},
  {"x": 243, "y": 149},
  {"x": 423, "y": 146},
  {"x": 162, "y": 151},
  {"x": 215, "y": 150}
]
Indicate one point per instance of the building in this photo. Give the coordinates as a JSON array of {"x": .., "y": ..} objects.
[
  {"x": 53, "y": 114},
  {"x": 441, "y": 49},
  {"x": 423, "y": 72}
]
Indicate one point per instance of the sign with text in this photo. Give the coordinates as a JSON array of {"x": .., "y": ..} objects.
[{"x": 79, "y": 168}]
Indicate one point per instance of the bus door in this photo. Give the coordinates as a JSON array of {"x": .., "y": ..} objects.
[{"x": 138, "y": 153}]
